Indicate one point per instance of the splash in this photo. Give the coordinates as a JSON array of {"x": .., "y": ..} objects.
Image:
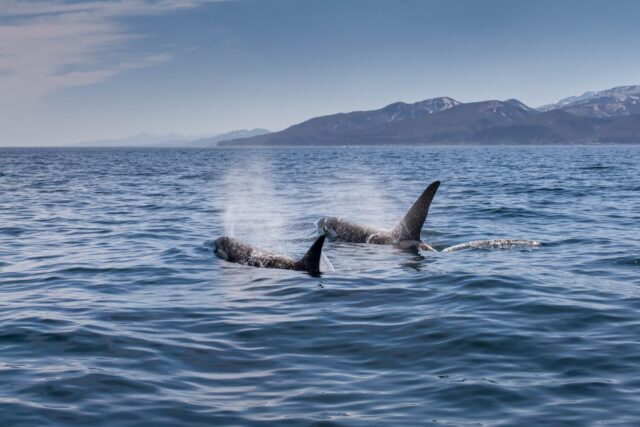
[
  {"x": 253, "y": 207},
  {"x": 495, "y": 244},
  {"x": 326, "y": 264}
]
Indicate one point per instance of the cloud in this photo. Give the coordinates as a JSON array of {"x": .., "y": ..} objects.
[
  {"x": 104, "y": 7},
  {"x": 49, "y": 45}
]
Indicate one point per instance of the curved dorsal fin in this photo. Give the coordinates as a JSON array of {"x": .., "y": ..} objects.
[
  {"x": 411, "y": 225},
  {"x": 311, "y": 260}
]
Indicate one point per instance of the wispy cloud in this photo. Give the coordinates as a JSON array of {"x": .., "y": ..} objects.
[
  {"x": 48, "y": 45},
  {"x": 102, "y": 7}
]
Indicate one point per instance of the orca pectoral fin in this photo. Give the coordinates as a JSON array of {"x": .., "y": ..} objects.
[
  {"x": 411, "y": 225},
  {"x": 311, "y": 260}
]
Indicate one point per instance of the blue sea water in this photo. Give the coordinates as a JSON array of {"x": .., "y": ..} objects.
[{"x": 115, "y": 311}]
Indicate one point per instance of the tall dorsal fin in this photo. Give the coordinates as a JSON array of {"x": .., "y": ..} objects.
[
  {"x": 411, "y": 225},
  {"x": 311, "y": 260}
]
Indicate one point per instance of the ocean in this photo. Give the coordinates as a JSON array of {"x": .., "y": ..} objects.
[{"x": 115, "y": 311}]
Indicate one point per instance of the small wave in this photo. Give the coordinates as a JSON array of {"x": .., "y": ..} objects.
[
  {"x": 494, "y": 244},
  {"x": 625, "y": 261},
  {"x": 12, "y": 231},
  {"x": 509, "y": 212},
  {"x": 596, "y": 167}
]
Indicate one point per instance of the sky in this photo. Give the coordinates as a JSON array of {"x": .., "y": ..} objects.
[{"x": 74, "y": 71}]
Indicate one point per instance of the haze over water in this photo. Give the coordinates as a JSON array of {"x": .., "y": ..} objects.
[{"x": 114, "y": 310}]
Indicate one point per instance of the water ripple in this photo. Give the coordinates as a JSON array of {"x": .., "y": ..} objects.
[{"x": 114, "y": 309}]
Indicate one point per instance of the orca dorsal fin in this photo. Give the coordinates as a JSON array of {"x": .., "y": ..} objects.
[
  {"x": 411, "y": 225},
  {"x": 311, "y": 260}
]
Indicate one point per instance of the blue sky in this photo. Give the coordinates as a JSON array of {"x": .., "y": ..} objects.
[{"x": 73, "y": 71}]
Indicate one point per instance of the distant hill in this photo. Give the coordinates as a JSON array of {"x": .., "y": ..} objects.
[
  {"x": 214, "y": 140},
  {"x": 172, "y": 140},
  {"x": 140, "y": 140}
]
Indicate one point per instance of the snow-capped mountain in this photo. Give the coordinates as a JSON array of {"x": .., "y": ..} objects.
[
  {"x": 359, "y": 120},
  {"x": 619, "y": 101},
  {"x": 402, "y": 111}
]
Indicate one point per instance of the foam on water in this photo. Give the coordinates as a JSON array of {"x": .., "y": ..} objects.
[
  {"x": 326, "y": 264},
  {"x": 494, "y": 244}
]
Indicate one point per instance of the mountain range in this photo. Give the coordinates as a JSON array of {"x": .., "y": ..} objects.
[
  {"x": 609, "y": 116},
  {"x": 172, "y": 140}
]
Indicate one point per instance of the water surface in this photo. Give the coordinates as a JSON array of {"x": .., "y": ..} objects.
[{"x": 114, "y": 310}]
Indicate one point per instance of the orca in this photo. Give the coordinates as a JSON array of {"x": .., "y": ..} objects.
[
  {"x": 234, "y": 250},
  {"x": 406, "y": 235}
]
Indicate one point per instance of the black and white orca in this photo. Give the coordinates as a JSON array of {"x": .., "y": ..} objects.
[
  {"x": 234, "y": 250},
  {"x": 405, "y": 235}
]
